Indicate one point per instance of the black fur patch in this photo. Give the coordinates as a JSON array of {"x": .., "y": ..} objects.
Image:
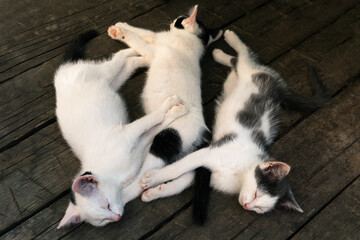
[
  {"x": 225, "y": 139},
  {"x": 277, "y": 188},
  {"x": 205, "y": 140},
  {"x": 233, "y": 62},
  {"x": 178, "y": 22},
  {"x": 259, "y": 138},
  {"x": 75, "y": 50},
  {"x": 86, "y": 173},
  {"x": 167, "y": 145}
]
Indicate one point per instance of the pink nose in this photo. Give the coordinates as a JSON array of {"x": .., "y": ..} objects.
[
  {"x": 246, "y": 206},
  {"x": 117, "y": 217}
]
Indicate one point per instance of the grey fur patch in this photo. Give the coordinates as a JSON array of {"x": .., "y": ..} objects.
[
  {"x": 233, "y": 62},
  {"x": 224, "y": 140}
]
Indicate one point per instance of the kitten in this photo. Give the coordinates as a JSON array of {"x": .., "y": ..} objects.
[
  {"x": 246, "y": 124},
  {"x": 93, "y": 120},
  {"x": 174, "y": 58}
]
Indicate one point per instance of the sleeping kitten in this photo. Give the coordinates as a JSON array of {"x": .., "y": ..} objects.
[
  {"x": 93, "y": 120},
  {"x": 174, "y": 58},
  {"x": 246, "y": 124}
]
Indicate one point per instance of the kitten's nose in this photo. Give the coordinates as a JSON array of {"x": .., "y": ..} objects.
[
  {"x": 117, "y": 218},
  {"x": 246, "y": 206}
]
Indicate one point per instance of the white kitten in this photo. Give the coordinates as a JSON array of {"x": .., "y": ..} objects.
[
  {"x": 174, "y": 58},
  {"x": 93, "y": 120},
  {"x": 246, "y": 124}
]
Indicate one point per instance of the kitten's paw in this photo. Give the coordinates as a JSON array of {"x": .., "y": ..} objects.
[
  {"x": 175, "y": 112},
  {"x": 230, "y": 35},
  {"x": 217, "y": 54},
  {"x": 152, "y": 193},
  {"x": 121, "y": 25},
  {"x": 149, "y": 179},
  {"x": 116, "y": 32},
  {"x": 170, "y": 102}
]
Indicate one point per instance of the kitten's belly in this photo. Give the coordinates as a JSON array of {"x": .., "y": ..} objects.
[{"x": 228, "y": 183}]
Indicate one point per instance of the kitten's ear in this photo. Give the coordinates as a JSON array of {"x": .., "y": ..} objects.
[
  {"x": 71, "y": 217},
  {"x": 85, "y": 185},
  {"x": 290, "y": 202},
  {"x": 215, "y": 34},
  {"x": 192, "y": 19},
  {"x": 276, "y": 170}
]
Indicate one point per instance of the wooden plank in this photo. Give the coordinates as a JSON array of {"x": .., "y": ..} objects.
[
  {"x": 339, "y": 220},
  {"x": 50, "y": 39},
  {"x": 320, "y": 150}
]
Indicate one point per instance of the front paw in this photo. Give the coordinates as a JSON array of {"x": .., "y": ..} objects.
[
  {"x": 116, "y": 33},
  {"x": 230, "y": 36},
  {"x": 149, "y": 179},
  {"x": 170, "y": 102},
  {"x": 176, "y": 111}
]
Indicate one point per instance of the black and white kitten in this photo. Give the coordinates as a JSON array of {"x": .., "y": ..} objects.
[
  {"x": 174, "y": 60},
  {"x": 246, "y": 124}
]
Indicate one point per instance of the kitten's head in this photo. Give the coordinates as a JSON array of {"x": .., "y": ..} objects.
[
  {"x": 190, "y": 24},
  {"x": 265, "y": 188},
  {"x": 95, "y": 202}
]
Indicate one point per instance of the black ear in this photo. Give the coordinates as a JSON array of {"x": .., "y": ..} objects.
[
  {"x": 215, "y": 34},
  {"x": 289, "y": 202}
]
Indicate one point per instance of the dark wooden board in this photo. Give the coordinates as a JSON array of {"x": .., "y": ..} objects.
[
  {"x": 37, "y": 41},
  {"x": 340, "y": 219}
]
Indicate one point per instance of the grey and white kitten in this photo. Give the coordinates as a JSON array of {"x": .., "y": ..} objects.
[{"x": 246, "y": 124}]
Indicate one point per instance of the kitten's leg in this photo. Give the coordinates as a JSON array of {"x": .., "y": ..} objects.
[
  {"x": 135, "y": 189},
  {"x": 110, "y": 69},
  {"x": 223, "y": 58},
  {"x": 132, "y": 40},
  {"x": 147, "y": 35},
  {"x": 170, "y": 188},
  {"x": 189, "y": 163},
  {"x": 133, "y": 130},
  {"x": 130, "y": 65},
  {"x": 234, "y": 41}
]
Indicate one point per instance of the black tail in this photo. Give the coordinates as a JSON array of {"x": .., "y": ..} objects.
[
  {"x": 201, "y": 195},
  {"x": 291, "y": 100},
  {"x": 75, "y": 50},
  {"x": 201, "y": 186}
]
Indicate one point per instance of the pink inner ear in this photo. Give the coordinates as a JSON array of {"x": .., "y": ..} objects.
[
  {"x": 84, "y": 185},
  {"x": 192, "y": 19},
  {"x": 279, "y": 169}
]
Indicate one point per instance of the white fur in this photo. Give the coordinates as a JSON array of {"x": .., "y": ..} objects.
[
  {"x": 174, "y": 58},
  {"x": 93, "y": 120}
]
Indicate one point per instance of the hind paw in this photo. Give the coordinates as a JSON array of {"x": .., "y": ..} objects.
[
  {"x": 152, "y": 193},
  {"x": 149, "y": 179},
  {"x": 116, "y": 32}
]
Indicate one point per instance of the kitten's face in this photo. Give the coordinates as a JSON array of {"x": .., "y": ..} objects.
[
  {"x": 191, "y": 25},
  {"x": 265, "y": 187},
  {"x": 92, "y": 202}
]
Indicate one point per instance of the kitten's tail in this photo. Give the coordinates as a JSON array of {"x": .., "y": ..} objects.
[
  {"x": 201, "y": 195},
  {"x": 75, "y": 50},
  {"x": 320, "y": 95},
  {"x": 201, "y": 186}
]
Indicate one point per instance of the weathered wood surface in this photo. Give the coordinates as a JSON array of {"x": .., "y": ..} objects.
[{"x": 36, "y": 165}]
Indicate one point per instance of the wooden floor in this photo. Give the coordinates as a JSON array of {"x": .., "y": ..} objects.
[{"x": 36, "y": 165}]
